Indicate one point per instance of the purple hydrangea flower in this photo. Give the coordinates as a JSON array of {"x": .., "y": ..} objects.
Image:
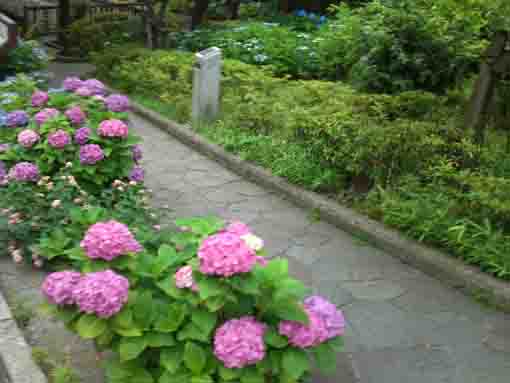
[
  {"x": 59, "y": 139},
  {"x": 304, "y": 336},
  {"x": 44, "y": 115},
  {"x": 240, "y": 342},
  {"x": 24, "y": 171},
  {"x": 75, "y": 115},
  {"x": 137, "y": 153},
  {"x": 17, "y": 118},
  {"x": 117, "y": 103},
  {"x": 84, "y": 91},
  {"x": 113, "y": 128},
  {"x": 58, "y": 287},
  {"x": 95, "y": 86},
  {"x": 4, "y": 148},
  {"x": 81, "y": 136},
  {"x": 72, "y": 83},
  {"x": 109, "y": 240},
  {"x": 137, "y": 174},
  {"x": 329, "y": 313},
  {"x": 3, "y": 172},
  {"x": 28, "y": 138},
  {"x": 91, "y": 154},
  {"x": 225, "y": 254},
  {"x": 39, "y": 98},
  {"x": 102, "y": 293}
]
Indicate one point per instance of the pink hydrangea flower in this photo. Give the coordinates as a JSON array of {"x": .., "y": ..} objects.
[
  {"x": 225, "y": 254},
  {"x": 24, "y": 172},
  {"x": 238, "y": 228},
  {"x": 72, "y": 83},
  {"x": 328, "y": 312},
  {"x": 76, "y": 115},
  {"x": 137, "y": 153},
  {"x": 304, "y": 336},
  {"x": 95, "y": 86},
  {"x": 58, "y": 287},
  {"x": 117, "y": 103},
  {"x": 99, "y": 98},
  {"x": 44, "y": 115},
  {"x": 91, "y": 154},
  {"x": 102, "y": 293},
  {"x": 137, "y": 174},
  {"x": 39, "y": 98},
  {"x": 240, "y": 342},
  {"x": 113, "y": 128},
  {"x": 59, "y": 139},
  {"x": 28, "y": 138},
  {"x": 184, "y": 278},
  {"x": 83, "y": 91},
  {"x": 109, "y": 240}
]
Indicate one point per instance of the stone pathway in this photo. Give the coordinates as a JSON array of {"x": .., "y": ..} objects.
[{"x": 403, "y": 326}]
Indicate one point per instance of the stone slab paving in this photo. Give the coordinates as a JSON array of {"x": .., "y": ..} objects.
[{"x": 403, "y": 326}]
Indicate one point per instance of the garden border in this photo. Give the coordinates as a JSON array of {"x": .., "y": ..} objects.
[
  {"x": 433, "y": 262},
  {"x": 15, "y": 353}
]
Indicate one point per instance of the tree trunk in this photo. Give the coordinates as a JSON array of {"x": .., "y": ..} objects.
[
  {"x": 64, "y": 19},
  {"x": 198, "y": 12}
]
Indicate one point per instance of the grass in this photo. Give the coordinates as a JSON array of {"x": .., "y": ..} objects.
[{"x": 55, "y": 372}]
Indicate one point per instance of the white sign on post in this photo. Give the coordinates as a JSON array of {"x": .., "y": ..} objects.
[
  {"x": 4, "y": 34},
  {"x": 206, "y": 84}
]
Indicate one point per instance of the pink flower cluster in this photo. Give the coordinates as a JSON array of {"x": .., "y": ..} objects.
[
  {"x": 84, "y": 91},
  {"x": 184, "y": 278},
  {"x": 28, "y": 138},
  {"x": 109, "y": 240},
  {"x": 44, "y": 115},
  {"x": 325, "y": 322},
  {"x": 240, "y": 342},
  {"x": 58, "y": 287},
  {"x": 103, "y": 293},
  {"x": 137, "y": 153},
  {"x": 225, "y": 254},
  {"x": 137, "y": 174},
  {"x": 91, "y": 154},
  {"x": 59, "y": 139},
  {"x": 72, "y": 83},
  {"x": 113, "y": 128},
  {"x": 117, "y": 103},
  {"x": 24, "y": 171},
  {"x": 75, "y": 115},
  {"x": 96, "y": 86},
  {"x": 39, "y": 98}
]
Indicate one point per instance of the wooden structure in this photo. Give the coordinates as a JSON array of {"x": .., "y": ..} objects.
[{"x": 495, "y": 67}]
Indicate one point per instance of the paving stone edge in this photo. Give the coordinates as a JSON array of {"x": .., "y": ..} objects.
[
  {"x": 15, "y": 353},
  {"x": 433, "y": 262}
]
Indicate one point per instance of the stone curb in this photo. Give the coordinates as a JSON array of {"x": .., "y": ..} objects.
[
  {"x": 432, "y": 262},
  {"x": 16, "y": 364}
]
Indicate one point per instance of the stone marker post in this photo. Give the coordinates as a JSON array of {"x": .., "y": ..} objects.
[
  {"x": 8, "y": 36},
  {"x": 206, "y": 84}
]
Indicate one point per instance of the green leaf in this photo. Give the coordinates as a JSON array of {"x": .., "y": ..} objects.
[
  {"x": 295, "y": 363},
  {"x": 204, "y": 225},
  {"x": 123, "y": 324},
  {"x": 169, "y": 320},
  {"x": 143, "y": 309},
  {"x": 246, "y": 284},
  {"x": 168, "y": 286},
  {"x": 229, "y": 373},
  {"x": 290, "y": 310},
  {"x": 204, "y": 320},
  {"x": 158, "y": 339},
  {"x": 252, "y": 376},
  {"x": 194, "y": 357},
  {"x": 290, "y": 288},
  {"x": 215, "y": 303},
  {"x": 141, "y": 375},
  {"x": 169, "y": 377},
  {"x": 166, "y": 258},
  {"x": 202, "y": 379},
  {"x": 90, "y": 326},
  {"x": 325, "y": 358},
  {"x": 273, "y": 339},
  {"x": 130, "y": 348},
  {"x": 337, "y": 344},
  {"x": 210, "y": 287},
  {"x": 171, "y": 358},
  {"x": 192, "y": 332}
]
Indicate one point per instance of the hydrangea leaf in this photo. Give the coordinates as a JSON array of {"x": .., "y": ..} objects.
[
  {"x": 204, "y": 320},
  {"x": 131, "y": 348},
  {"x": 158, "y": 339},
  {"x": 90, "y": 326},
  {"x": 194, "y": 357},
  {"x": 273, "y": 339},
  {"x": 229, "y": 373},
  {"x": 171, "y": 358},
  {"x": 295, "y": 363},
  {"x": 325, "y": 358}
]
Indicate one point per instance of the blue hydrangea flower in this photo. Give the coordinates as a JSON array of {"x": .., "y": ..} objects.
[
  {"x": 301, "y": 13},
  {"x": 3, "y": 118},
  {"x": 312, "y": 15},
  {"x": 323, "y": 19}
]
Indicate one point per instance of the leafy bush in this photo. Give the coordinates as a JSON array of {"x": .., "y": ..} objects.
[
  {"x": 180, "y": 318},
  {"x": 28, "y": 56}
]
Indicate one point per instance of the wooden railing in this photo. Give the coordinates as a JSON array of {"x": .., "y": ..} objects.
[{"x": 43, "y": 19}]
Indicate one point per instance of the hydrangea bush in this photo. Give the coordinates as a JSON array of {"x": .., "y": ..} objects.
[
  {"x": 200, "y": 308},
  {"x": 76, "y": 124}
]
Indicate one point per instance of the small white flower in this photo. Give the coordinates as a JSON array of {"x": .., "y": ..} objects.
[
  {"x": 69, "y": 165},
  {"x": 55, "y": 204},
  {"x": 253, "y": 242}
]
